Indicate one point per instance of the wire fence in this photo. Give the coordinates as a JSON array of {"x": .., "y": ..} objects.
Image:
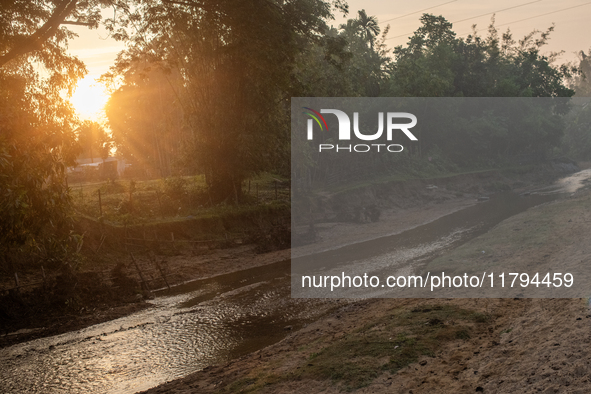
[{"x": 149, "y": 200}]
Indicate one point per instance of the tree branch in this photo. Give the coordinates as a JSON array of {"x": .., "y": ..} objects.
[
  {"x": 77, "y": 23},
  {"x": 36, "y": 40}
]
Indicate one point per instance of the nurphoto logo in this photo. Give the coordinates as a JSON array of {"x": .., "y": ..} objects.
[{"x": 345, "y": 130}]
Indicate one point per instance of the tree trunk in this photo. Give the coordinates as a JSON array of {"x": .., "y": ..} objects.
[{"x": 223, "y": 186}]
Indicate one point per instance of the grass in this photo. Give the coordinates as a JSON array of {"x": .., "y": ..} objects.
[
  {"x": 391, "y": 343},
  {"x": 165, "y": 200},
  {"x": 386, "y": 344}
]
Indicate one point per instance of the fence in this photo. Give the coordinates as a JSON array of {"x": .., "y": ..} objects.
[
  {"x": 145, "y": 275},
  {"x": 123, "y": 201}
]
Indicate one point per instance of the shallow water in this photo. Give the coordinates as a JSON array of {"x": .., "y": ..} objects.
[
  {"x": 403, "y": 253},
  {"x": 203, "y": 323},
  {"x": 211, "y": 321}
]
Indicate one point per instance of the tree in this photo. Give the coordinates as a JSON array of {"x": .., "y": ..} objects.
[
  {"x": 147, "y": 119},
  {"x": 581, "y": 83},
  {"x": 94, "y": 140},
  {"x": 368, "y": 26},
  {"x": 341, "y": 64},
  {"x": 37, "y": 126},
  {"x": 36, "y": 27},
  {"x": 435, "y": 63},
  {"x": 237, "y": 67}
]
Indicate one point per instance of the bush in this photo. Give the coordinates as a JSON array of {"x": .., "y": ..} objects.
[{"x": 175, "y": 187}]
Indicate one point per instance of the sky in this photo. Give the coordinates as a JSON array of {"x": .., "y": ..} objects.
[{"x": 571, "y": 18}]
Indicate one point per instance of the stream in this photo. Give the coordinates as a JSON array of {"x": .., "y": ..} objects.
[{"x": 211, "y": 321}]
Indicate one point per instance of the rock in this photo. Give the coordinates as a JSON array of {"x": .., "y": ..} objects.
[{"x": 565, "y": 165}]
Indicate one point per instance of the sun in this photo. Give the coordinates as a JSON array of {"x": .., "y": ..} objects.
[{"x": 89, "y": 98}]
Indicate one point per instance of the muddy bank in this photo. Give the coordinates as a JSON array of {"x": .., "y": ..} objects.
[
  {"x": 340, "y": 217},
  {"x": 421, "y": 345},
  {"x": 41, "y": 323}
]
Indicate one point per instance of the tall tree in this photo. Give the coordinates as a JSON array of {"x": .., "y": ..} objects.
[
  {"x": 37, "y": 124},
  {"x": 146, "y": 117},
  {"x": 369, "y": 27},
  {"x": 581, "y": 83},
  {"x": 236, "y": 67},
  {"x": 94, "y": 140},
  {"x": 435, "y": 63},
  {"x": 37, "y": 27}
]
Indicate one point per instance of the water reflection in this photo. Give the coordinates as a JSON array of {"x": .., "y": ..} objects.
[{"x": 205, "y": 323}]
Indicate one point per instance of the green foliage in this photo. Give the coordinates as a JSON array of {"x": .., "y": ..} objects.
[
  {"x": 233, "y": 68},
  {"x": 577, "y": 140},
  {"x": 461, "y": 132},
  {"x": 347, "y": 62},
  {"x": 175, "y": 187},
  {"x": 437, "y": 64},
  {"x": 37, "y": 128},
  {"x": 35, "y": 29},
  {"x": 171, "y": 199},
  {"x": 146, "y": 117}
]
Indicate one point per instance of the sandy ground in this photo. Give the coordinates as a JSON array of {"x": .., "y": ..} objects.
[
  {"x": 528, "y": 346},
  {"x": 523, "y": 345},
  {"x": 392, "y": 221}
]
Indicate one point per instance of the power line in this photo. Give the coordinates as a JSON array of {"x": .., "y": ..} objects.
[
  {"x": 474, "y": 17},
  {"x": 548, "y": 13},
  {"x": 537, "y": 16},
  {"x": 416, "y": 12},
  {"x": 490, "y": 13}
]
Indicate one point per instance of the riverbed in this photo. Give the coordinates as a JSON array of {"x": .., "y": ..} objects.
[{"x": 211, "y": 321}]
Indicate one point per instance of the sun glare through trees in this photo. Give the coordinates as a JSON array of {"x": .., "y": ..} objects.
[{"x": 89, "y": 98}]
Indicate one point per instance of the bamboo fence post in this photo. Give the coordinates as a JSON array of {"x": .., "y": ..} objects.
[
  {"x": 100, "y": 203},
  {"x": 162, "y": 273},
  {"x": 159, "y": 204},
  {"x": 144, "y": 283},
  {"x": 125, "y": 239},
  {"x": 16, "y": 281}
]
